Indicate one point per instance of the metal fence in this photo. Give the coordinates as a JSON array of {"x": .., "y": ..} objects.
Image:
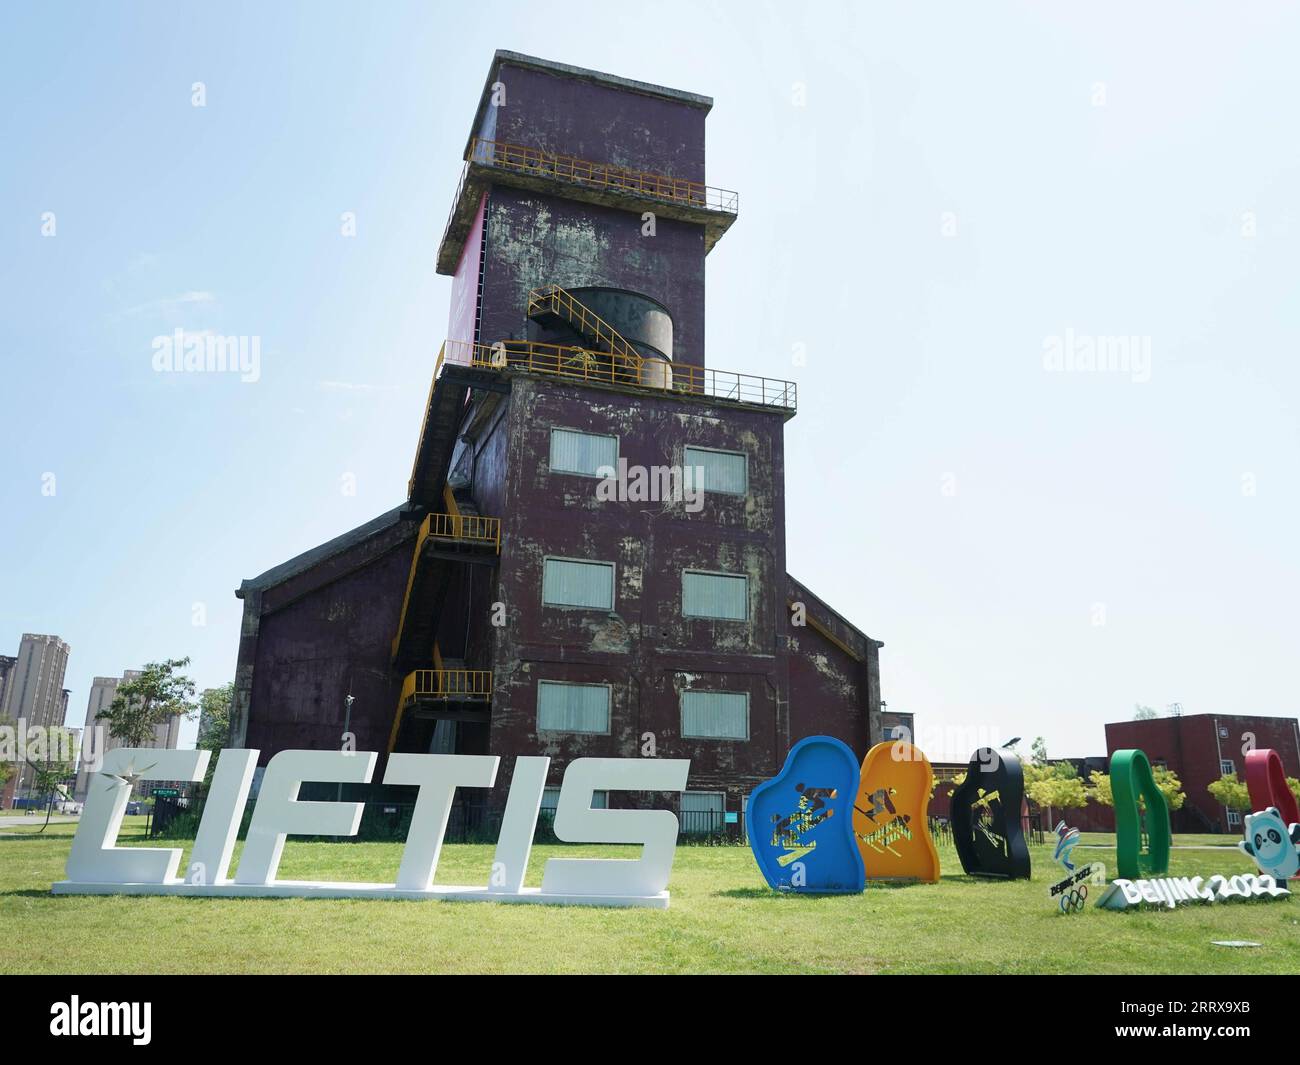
[
  {"x": 166, "y": 809},
  {"x": 599, "y": 367},
  {"x": 562, "y": 167}
]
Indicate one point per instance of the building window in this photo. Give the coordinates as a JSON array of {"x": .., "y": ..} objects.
[
  {"x": 1226, "y": 766},
  {"x": 551, "y": 799},
  {"x": 569, "y": 582},
  {"x": 572, "y": 707},
  {"x": 583, "y": 453},
  {"x": 715, "y": 595},
  {"x": 703, "y": 813},
  {"x": 708, "y": 715},
  {"x": 1234, "y": 819},
  {"x": 724, "y": 471}
]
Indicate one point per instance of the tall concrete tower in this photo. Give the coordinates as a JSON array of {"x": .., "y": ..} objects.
[
  {"x": 33, "y": 693},
  {"x": 591, "y": 559}
]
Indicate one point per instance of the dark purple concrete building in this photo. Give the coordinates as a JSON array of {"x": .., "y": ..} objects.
[{"x": 591, "y": 559}]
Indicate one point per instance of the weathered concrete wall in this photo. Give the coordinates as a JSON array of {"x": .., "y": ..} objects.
[
  {"x": 322, "y": 632},
  {"x": 598, "y": 122},
  {"x": 535, "y": 240},
  {"x": 644, "y": 647},
  {"x": 834, "y": 675},
  {"x": 827, "y": 696}
]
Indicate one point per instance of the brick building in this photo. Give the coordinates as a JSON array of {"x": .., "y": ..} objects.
[
  {"x": 521, "y": 600},
  {"x": 1200, "y": 748}
]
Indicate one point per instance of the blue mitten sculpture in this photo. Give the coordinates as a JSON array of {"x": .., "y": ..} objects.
[{"x": 800, "y": 822}]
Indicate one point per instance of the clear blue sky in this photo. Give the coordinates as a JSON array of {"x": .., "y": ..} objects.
[{"x": 1101, "y": 165}]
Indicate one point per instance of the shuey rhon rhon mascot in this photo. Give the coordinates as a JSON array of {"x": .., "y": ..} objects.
[{"x": 1272, "y": 844}]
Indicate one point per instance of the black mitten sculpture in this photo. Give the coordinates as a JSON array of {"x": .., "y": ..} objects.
[{"x": 986, "y": 825}]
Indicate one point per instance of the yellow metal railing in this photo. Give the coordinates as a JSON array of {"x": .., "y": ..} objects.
[
  {"x": 447, "y": 684},
  {"x": 561, "y": 303},
  {"x": 439, "y": 684},
  {"x": 535, "y": 161},
  {"x": 472, "y": 527},
  {"x": 597, "y": 367}
]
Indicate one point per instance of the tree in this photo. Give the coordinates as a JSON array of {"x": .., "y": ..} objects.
[
  {"x": 1170, "y": 786},
  {"x": 1059, "y": 792},
  {"x": 1100, "y": 790},
  {"x": 1230, "y": 792},
  {"x": 158, "y": 694},
  {"x": 1166, "y": 780},
  {"x": 1143, "y": 713},
  {"x": 6, "y": 770},
  {"x": 49, "y": 777},
  {"x": 1052, "y": 785},
  {"x": 214, "y": 717}
]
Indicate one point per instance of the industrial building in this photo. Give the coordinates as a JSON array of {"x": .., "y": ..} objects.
[{"x": 591, "y": 558}]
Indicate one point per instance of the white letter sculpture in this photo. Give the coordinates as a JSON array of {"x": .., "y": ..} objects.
[
  {"x": 279, "y": 813},
  {"x": 94, "y": 859},
  {"x": 577, "y": 822},
  {"x": 97, "y": 867}
]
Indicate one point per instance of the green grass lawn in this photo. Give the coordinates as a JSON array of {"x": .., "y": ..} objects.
[
  {"x": 1189, "y": 839},
  {"x": 723, "y": 918}
]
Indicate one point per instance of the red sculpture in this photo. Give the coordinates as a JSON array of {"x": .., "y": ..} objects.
[{"x": 1266, "y": 782}]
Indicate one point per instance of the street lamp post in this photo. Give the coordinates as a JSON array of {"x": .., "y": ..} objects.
[{"x": 347, "y": 727}]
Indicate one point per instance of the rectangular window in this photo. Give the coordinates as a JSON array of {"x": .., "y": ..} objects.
[
  {"x": 710, "y": 715},
  {"x": 715, "y": 595},
  {"x": 584, "y": 453},
  {"x": 566, "y": 582},
  {"x": 572, "y": 707},
  {"x": 1226, "y": 766},
  {"x": 551, "y": 799},
  {"x": 1234, "y": 818},
  {"x": 703, "y": 813},
  {"x": 724, "y": 471}
]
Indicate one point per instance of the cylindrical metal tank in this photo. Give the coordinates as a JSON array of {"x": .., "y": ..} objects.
[{"x": 643, "y": 322}]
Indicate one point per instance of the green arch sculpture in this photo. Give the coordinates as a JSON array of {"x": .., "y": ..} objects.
[{"x": 1131, "y": 779}]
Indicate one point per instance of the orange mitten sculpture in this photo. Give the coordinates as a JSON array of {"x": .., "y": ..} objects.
[{"x": 890, "y": 814}]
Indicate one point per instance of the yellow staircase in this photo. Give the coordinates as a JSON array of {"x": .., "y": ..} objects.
[{"x": 556, "y": 303}]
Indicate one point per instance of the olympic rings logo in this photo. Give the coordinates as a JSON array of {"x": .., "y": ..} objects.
[{"x": 1073, "y": 901}]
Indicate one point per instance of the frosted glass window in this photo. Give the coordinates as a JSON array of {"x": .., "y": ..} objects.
[
  {"x": 715, "y": 595},
  {"x": 585, "y": 453},
  {"x": 715, "y": 715},
  {"x": 703, "y": 813},
  {"x": 724, "y": 471},
  {"x": 572, "y": 707},
  {"x": 551, "y": 799},
  {"x": 569, "y": 583}
]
